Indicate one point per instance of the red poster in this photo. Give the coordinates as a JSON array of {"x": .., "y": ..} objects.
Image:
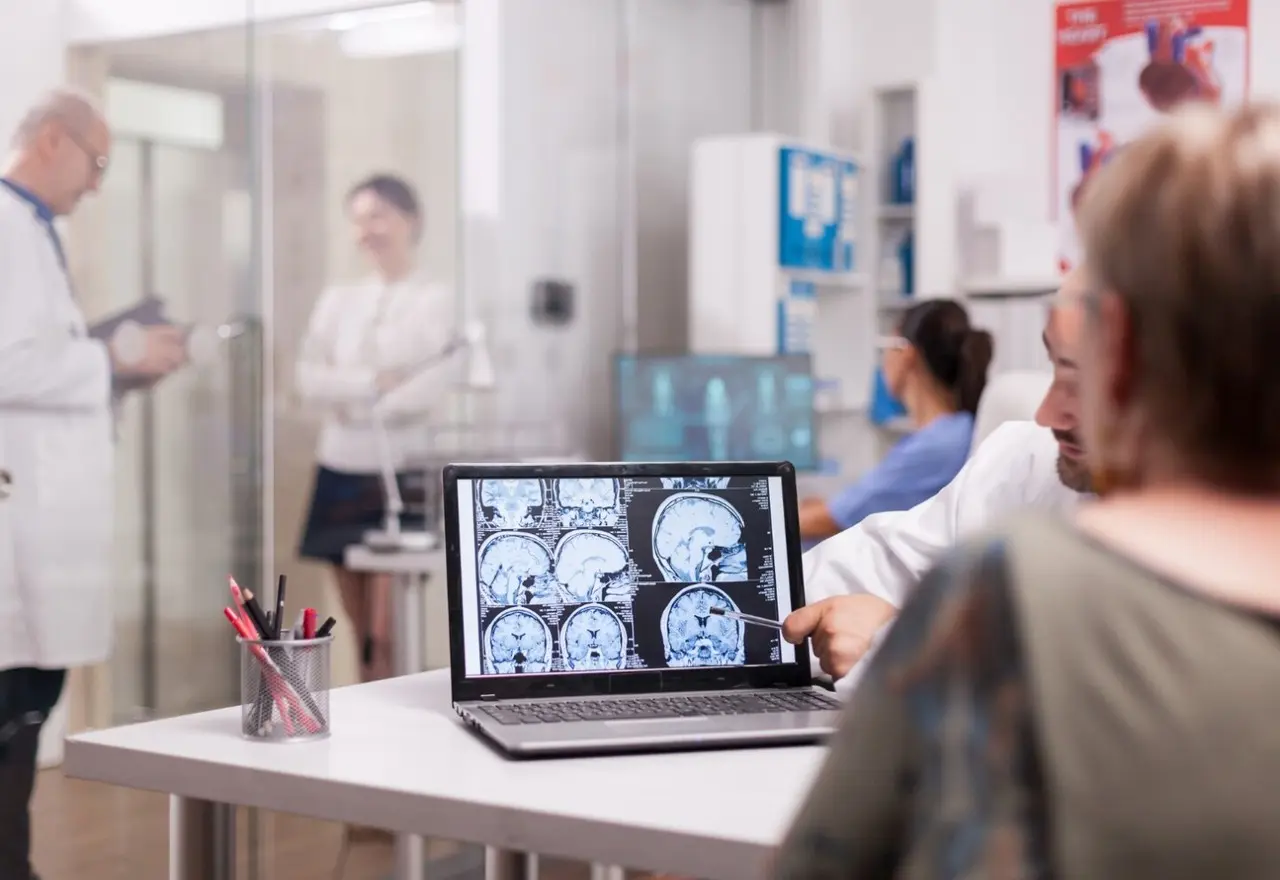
[{"x": 1120, "y": 65}]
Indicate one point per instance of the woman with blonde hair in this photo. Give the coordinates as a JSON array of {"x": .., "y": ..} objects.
[{"x": 1095, "y": 697}]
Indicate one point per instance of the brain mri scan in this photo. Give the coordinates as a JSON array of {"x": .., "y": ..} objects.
[
  {"x": 695, "y": 482},
  {"x": 586, "y": 502},
  {"x": 693, "y": 636},
  {"x": 517, "y": 641},
  {"x": 592, "y": 566},
  {"x": 593, "y": 638},
  {"x": 698, "y": 538},
  {"x": 511, "y": 504},
  {"x": 515, "y": 569}
]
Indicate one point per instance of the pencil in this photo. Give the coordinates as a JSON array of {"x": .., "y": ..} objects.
[{"x": 752, "y": 619}]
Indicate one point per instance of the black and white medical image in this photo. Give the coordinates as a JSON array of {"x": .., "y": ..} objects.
[
  {"x": 693, "y": 636},
  {"x": 516, "y": 569},
  {"x": 593, "y": 566},
  {"x": 593, "y": 638},
  {"x": 587, "y": 502},
  {"x": 699, "y": 537},
  {"x": 673, "y": 625},
  {"x": 510, "y": 504},
  {"x": 517, "y": 641},
  {"x": 695, "y": 482}
]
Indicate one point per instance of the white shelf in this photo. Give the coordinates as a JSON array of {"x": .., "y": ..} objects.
[
  {"x": 897, "y": 213},
  {"x": 1010, "y": 286},
  {"x": 828, "y": 280}
]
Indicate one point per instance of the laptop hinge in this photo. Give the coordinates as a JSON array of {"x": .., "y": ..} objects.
[{"x": 489, "y": 698}]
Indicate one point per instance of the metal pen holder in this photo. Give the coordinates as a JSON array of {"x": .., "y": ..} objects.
[{"x": 284, "y": 689}]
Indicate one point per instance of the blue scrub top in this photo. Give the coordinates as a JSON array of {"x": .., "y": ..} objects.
[{"x": 915, "y": 470}]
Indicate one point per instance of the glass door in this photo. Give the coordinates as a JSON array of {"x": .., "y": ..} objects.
[{"x": 189, "y": 457}]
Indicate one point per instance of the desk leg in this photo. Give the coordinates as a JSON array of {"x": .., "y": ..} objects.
[
  {"x": 202, "y": 840},
  {"x": 503, "y": 864},
  {"x": 408, "y": 610},
  {"x": 411, "y": 857}
]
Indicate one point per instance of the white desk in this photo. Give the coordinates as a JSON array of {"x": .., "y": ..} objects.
[{"x": 400, "y": 759}]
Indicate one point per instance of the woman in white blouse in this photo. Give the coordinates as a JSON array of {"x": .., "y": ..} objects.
[{"x": 368, "y": 343}]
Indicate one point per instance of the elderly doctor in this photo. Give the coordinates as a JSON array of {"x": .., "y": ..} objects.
[
  {"x": 856, "y": 581},
  {"x": 56, "y": 495}
]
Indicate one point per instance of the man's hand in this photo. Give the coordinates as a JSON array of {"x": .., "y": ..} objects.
[
  {"x": 842, "y": 629},
  {"x": 150, "y": 352}
]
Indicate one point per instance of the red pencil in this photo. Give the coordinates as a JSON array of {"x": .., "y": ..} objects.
[{"x": 309, "y": 623}]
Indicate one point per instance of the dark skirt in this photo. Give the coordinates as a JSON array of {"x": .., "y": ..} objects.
[{"x": 345, "y": 505}]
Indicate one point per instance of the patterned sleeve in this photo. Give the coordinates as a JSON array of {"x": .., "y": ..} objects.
[{"x": 933, "y": 772}]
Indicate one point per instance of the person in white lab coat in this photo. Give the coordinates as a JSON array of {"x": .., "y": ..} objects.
[
  {"x": 856, "y": 581},
  {"x": 55, "y": 444},
  {"x": 366, "y": 343}
]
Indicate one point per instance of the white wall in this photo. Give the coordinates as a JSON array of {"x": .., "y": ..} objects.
[
  {"x": 32, "y": 50},
  {"x": 102, "y": 21}
]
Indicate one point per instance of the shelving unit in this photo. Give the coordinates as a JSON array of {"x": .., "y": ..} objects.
[{"x": 777, "y": 266}]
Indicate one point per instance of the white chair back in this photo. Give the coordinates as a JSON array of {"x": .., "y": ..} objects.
[{"x": 1009, "y": 397}]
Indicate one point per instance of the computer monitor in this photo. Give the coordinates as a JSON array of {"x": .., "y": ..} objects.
[
  {"x": 585, "y": 570},
  {"x": 715, "y": 408}
]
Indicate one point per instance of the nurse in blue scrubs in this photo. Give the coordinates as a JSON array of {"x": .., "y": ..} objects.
[{"x": 936, "y": 365}]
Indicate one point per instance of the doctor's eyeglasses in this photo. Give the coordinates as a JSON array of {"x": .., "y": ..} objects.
[{"x": 97, "y": 160}]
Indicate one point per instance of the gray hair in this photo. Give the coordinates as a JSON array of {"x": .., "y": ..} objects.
[{"x": 74, "y": 108}]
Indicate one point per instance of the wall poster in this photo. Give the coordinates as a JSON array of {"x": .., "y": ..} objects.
[{"x": 1120, "y": 65}]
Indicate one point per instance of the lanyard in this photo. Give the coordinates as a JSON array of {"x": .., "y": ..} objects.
[{"x": 43, "y": 213}]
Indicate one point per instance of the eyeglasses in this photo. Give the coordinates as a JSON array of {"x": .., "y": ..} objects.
[
  {"x": 98, "y": 160},
  {"x": 891, "y": 343}
]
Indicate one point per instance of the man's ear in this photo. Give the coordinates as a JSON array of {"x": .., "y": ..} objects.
[{"x": 1118, "y": 347}]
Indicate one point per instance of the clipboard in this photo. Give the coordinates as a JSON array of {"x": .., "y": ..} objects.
[{"x": 148, "y": 313}]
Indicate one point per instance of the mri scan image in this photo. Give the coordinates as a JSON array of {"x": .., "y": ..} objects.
[
  {"x": 587, "y": 502},
  {"x": 517, "y": 641},
  {"x": 593, "y": 638},
  {"x": 592, "y": 566},
  {"x": 698, "y": 538},
  {"x": 511, "y": 504},
  {"x": 695, "y": 482},
  {"x": 693, "y": 636},
  {"x": 515, "y": 569}
]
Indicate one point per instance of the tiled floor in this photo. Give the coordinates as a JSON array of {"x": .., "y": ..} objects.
[{"x": 90, "y": 831}]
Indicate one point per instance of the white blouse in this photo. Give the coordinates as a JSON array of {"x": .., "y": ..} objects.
[{"x": 358, "y": 331}]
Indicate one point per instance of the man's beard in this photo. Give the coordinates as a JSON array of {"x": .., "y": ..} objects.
[{"x": 1074, "y": 474}]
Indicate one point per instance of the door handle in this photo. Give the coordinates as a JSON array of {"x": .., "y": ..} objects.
[{"x": 6, "y": 480}]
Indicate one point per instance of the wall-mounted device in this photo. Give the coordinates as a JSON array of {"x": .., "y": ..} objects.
[{"x": 552, "y": 302}]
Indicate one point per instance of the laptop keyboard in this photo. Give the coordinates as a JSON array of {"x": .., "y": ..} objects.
[{"x": 643, "y": 708}]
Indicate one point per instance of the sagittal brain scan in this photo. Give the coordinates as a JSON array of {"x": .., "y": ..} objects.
[
  {"x": 587, "y": 502},
  {"x": 517, "y": 641},
  {"x": 592, "y": 566},
  {"x": 511, "y": 504},
  {"x": 593, "y": 638},
  {"x": 695, "y": 482},
  {"x": 693, "y": 636},
  {"x": 516, "y": 569},
  {"x": 698, "y": 538}
]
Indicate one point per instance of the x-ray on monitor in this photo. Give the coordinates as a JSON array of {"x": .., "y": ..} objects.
[{"x": 716, "y": 408}]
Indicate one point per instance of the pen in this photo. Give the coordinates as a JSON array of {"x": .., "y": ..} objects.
[
  {"x": 279, "y": 622},
  {"x": 746, "y": 618},
  {"x": 309, "y": 623},
  {"x": 251, "y": 605},
  {"x": 325, "y": 628}
]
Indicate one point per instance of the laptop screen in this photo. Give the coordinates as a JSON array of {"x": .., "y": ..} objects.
[{"x": 605, "y": 575}]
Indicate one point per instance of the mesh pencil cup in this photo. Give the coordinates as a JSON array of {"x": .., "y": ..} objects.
[{"x": 284, "y": 689}]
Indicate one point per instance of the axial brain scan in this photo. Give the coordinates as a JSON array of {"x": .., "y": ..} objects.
[
  {"x": 693, "y": 636},
  {"x": 695, "y": 482},
  {"x": 518, "y": 641},
  {"x": 592, "y": 566},
  {"x": 587, "y": 501},
  {"x": 511, "y": 504},
  {"x": 593, "y": 638},
  {"x": 698, "y": 538},
  {"x": 515, "y": 569}
]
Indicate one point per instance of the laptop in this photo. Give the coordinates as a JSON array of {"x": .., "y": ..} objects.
[{"x": 598, "y": 608}]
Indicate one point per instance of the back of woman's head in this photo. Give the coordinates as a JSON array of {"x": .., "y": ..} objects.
[
  {"x": 955, "y": 353},
  {"x": 1181, "y": 234}
]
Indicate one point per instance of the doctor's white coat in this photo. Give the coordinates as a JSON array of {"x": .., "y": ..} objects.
[
  {"x": 56, "y": 443},
  {"x": 887, "y": 554}
]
